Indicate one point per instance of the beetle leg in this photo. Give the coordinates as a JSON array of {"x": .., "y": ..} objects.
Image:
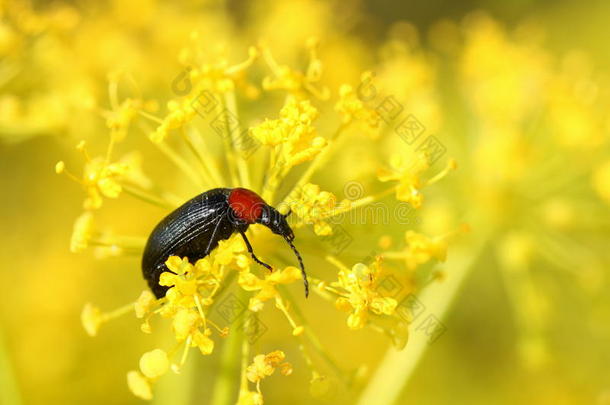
[
  {"x": 213, "y": 237},
  {"x": 249, "y": 246}
]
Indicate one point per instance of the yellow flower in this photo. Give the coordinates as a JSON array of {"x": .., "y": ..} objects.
[
  {"x": 313, "y": 206},
  {"x": 266, "y": 287},
  {"x": 264, "y": 365},
  {"x": 118, "y": 121},
  {"x": 180, "y": 114},
  {"x": 294, "y": 131},
  {"x": 185, "y": 322},
  {"x": 91, "y": 318},
  {"x": 421, "y": 249},
  {"x": 408, "y": 173},
  {"x": 295, "y": 82},
  {"x": 203, "y": 342},
  {"x": 219, "y": 78},
  {"x": 82, "y": 233},
  {"x": 357, "y": 293},
  {"x": 139, "y": 385},
  {"x": 100, "y": 179},
  {"x": 352, "y": 108},
  {"x": 145, "y": 302},
  {"x": 154, "y": 364},
  {"x": 182, "y": 275},
  {"x": 104, "y": 179},
  {"x": 232, "y": 251}
]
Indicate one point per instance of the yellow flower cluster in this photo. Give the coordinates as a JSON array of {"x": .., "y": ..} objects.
[
  {"x": 314, "y": 206},
  {"x": 421, "y": 249},
  {"x": 263, "y": 366},
  {"x": 532, "y": 131},
  {"x": 192, "y": 291},
  {"x": 103, "y": 178},
  {"x": 119, "y": 120},
  {"x": 358, "y": 295},
  {"x": 266, "y": 288},
  {"x": 180, "y": 114},
  {"x": 294, "y": 131},
  {"x": 352, "y": 108},
  {"x": 299, "y": 84},
  {"x": 293, "y": 139},
  {"x": 408, "y": 174},
  {"x": 220, "y": 76}
]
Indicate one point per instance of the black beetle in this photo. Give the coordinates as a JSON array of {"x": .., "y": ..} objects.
[{"x": 195, "y": 228}]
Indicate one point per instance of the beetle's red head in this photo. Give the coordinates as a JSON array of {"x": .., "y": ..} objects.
[
  {"x": 247, "y": 205},
  {"x": 250, "y": 208}
]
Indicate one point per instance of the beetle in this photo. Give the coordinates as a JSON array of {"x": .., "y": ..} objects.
[{"x": 195, "y": 228}]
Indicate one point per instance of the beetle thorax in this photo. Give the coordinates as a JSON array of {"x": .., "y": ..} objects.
[{"x": 246, "y": 204}]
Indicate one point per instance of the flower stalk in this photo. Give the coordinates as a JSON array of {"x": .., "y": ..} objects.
[{"x": 395, "y": 370}]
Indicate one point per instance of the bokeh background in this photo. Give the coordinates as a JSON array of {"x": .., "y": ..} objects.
[{"x": 517, "y": 91}]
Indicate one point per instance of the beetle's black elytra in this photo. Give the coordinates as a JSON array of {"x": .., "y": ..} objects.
[{"x": 194, "y": 229}]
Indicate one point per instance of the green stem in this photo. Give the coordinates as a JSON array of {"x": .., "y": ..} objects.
[
  {"x": 229, "y": 147},
  {"x": 312, "y": 338},
  {"x": 9, "y": 390},
  {"x": 177, "y": 389},
  {"x": 395, "y": 370},
  {"x": 180, "y": 389},
  {"x": 242, "y": 166},
  {"x": 226, "y": 386}
]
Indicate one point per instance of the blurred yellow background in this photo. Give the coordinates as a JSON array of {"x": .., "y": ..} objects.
[{"x": 516, "y": 91}]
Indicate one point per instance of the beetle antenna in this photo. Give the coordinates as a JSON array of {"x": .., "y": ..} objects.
[{"x": 305, "y": 282}]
